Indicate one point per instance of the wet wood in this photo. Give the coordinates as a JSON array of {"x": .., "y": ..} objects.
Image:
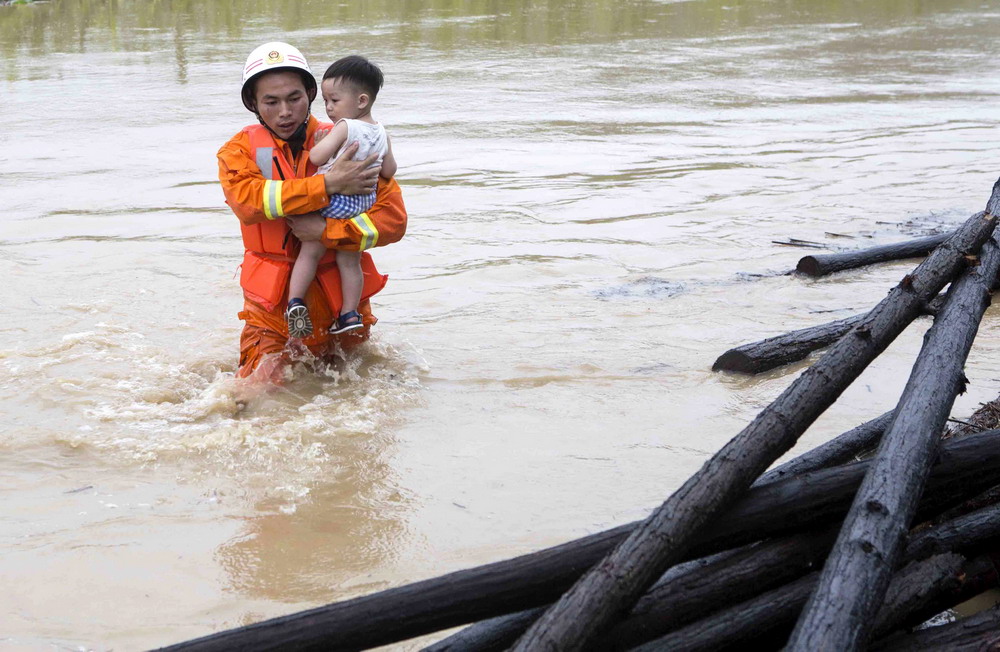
[
  {"x": 680, "y": 598},
  {"x": 764, "y": 355},
  {"x": 823, "y": 264},
  {"x": 686, "y": 593},
  {"x": 533, "y": 580},
  {"x": 609, "y": 590},
  {"x": 761, "y": 356},
  {"x": 959, "y": 533},
  {"x": 763, "y": 622},
  {"x": 860, "y": 566},
  {"x": 978, "y": 632},
  {"x": 839, "y": 450}
]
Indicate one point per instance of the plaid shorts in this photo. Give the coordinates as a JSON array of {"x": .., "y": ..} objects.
[{"x": 343, "y": 207}]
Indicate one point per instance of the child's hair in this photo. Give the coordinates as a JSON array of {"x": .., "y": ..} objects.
[{"x": 359, "y": 71}]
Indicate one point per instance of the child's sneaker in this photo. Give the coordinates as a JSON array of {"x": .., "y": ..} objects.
[
  {"x": 349, "y": 321},
  {"x": 297, "y": 316}
]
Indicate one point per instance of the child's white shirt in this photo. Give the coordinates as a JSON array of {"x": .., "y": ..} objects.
[{"x": 370, "y": 137}]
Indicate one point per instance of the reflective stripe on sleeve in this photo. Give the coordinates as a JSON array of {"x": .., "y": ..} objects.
[
  {"x": 369, "y": 234},
  {"x": 272, "y": 199}
]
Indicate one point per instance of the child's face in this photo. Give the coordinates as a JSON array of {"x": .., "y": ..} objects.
[{"x": 342, "y": 99}]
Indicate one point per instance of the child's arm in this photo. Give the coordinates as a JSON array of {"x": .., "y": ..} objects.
[
  {"x": 388, "y": 170},
  {"x": 324, "y": 150}
]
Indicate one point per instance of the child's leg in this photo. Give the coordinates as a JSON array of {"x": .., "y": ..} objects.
[
  {"x": 304, "y": 270},
  {"x": 351, "y": 279}
]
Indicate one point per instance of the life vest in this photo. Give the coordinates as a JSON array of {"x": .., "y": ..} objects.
[{"x": 270, "y": 249}]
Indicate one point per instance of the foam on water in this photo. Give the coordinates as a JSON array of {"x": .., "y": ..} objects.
[{"x": 116, "y": 392}]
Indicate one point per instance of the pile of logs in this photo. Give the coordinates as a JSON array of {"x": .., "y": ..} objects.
[{"x": 823, "y": 552}]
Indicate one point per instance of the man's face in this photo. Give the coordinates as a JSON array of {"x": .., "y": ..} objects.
[{"x": 282, "y": 101}]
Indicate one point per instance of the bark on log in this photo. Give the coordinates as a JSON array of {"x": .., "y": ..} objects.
[
  {"x": 982, "y": 525},
  {"x": 678, "y": 599},
  {"x": 684, "y": 594},
  {"x": 612, "y": 587},
  {"x": 977, "y": 633},
  {"x": 979, "y": 574},
  {"x": 540, "y": 577},
  {"x": 757, "y": 357},
  {"x": 839, "y": 450},
  {"x": 860, "y": 566},
  {"x": 764, "y": 621},
  {"x": 823, "y": 264}
]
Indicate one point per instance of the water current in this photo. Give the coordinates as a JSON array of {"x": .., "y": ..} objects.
[{"x": 595, "y": 189}]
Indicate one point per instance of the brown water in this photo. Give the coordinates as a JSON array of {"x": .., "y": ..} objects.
[{"x": 594, "y": 188}]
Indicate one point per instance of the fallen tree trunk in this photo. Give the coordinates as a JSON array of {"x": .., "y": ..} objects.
[
  {"x": 959, "y": 533},
  {"x": 757, "y": 357},
  {"x": 842, "y": 448},
  {"x": 764, "y": 621},
  {"x": 823, "y": 264},
  {"x": 612, "y": 587},
  {"x": 980, "y": 631},
  {"x": 533, "y": 580},
  {"x": 678, "y": 599},
  {"x": 859, "y": 568}
]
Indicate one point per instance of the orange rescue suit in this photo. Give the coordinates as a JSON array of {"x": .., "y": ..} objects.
[{"x": 263, "y": 183}]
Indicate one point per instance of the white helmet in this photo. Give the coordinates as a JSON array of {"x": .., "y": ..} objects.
[{"x": 275, "y": 56}]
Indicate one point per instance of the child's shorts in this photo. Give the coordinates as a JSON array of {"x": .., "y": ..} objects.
[{"x": 343, "y": 207}]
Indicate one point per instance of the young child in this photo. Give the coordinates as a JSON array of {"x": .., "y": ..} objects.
[{"x": 349, "y": 89}]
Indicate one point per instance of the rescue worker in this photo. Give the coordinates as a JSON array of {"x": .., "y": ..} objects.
[{"x": 269, "y": 184}]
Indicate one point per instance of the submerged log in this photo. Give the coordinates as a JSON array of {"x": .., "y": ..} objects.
[
  {"x": 823, "y": 264},
  {"x": 757, "y": 357},
  {"x": 842, "y": 448},
  {"x": 612, "y": 587},
  {"x": 859, "y": 568},
  {"x": 540, "y": 577},
  {"x": 761, "y": 356}
]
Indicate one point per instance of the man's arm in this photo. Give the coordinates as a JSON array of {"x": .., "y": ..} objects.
[
  {"x": 255, "y": 199},
  {"x": 384, "y": 223}
]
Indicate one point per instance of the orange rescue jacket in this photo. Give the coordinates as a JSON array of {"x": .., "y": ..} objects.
[{"x": 263, "y": 183}]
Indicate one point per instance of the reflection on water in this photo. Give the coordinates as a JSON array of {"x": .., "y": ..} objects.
[{"x": 594, "y": 189}]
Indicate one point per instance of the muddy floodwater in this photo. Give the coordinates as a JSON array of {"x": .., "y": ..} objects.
[{"x": 595, "y": 190}]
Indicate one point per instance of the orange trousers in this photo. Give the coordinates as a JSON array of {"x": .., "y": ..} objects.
[{"x": 263, "y": 353}]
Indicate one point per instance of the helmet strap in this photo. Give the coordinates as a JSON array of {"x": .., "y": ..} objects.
[{"x": 296, "y": 141}]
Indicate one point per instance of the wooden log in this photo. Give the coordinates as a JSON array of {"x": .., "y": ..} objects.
[
  {"x": 532, "y": 580},
  {"x": 978, "y": 574},
  {"x": 859, "y": 568},
  {"x": 961, "y": 532},
  {"x": 765, "y": 620},
  {"x": 764, "y": 355},
  {"x": 612, "y": 587},
  {"x": 680, "y": 598},
  {"x": 842, "y": 448},
  {"x": 757, "y": 357},
  {"x": 823, "y": 264},
  {"x": 978, "y": 632},
  {"x": 684, "y": 594}
]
